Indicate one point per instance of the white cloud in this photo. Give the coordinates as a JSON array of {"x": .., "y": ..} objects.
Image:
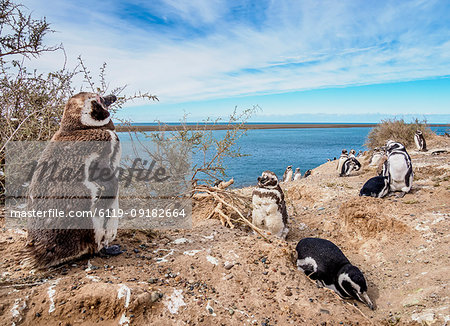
[{"x": 293, "y": 46}]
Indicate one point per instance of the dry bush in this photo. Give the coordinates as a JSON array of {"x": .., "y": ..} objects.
[
  {"x": 31, "y": 103},
  {"x": 398, "y": 130}
]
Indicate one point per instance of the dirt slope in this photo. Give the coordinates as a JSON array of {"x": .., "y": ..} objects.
[{"x": 212, "y": 275}]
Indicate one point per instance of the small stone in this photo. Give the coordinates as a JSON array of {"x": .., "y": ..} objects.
[
  {"x": 229, "y": 266},
  {"x": 136, "y": 251},
  {"x": 265, "y": 272},
  {"x": 154, "y": 296},
  {"x": 288, "y": 293},
  {"x": 324, "y": 311},
  {"x": 38, "y": 314},
  {"x": 152, "y": 280},
  {"x": 231, "y": 312}
]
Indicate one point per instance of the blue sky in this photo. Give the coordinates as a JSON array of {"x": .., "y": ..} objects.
[{"x": 347, "y": 59}]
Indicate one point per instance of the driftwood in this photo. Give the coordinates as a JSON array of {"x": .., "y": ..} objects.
[{"x": 225, "y": 203}]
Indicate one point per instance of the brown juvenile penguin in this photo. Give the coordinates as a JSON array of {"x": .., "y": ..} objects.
[{"x": 76, "y": 175}]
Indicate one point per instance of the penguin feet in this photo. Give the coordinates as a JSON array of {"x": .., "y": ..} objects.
[
  {"x": 320, "y": 284},
  {"x": 401, "y": 195},
  {"x": 113, "y": 250}
]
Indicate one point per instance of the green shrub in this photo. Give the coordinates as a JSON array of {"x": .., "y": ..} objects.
[{"x": 398, "y": 130}]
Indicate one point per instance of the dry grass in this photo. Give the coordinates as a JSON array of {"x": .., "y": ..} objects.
[{"x": 397, "y": 130}]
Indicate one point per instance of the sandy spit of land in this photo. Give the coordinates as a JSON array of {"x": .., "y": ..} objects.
[{"x": 170, "y": 127}]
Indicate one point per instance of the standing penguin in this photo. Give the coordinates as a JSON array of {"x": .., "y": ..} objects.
[
  {"x": 421, "y": 144},
  {"x": 297, "y": 174},
  {"x": 287, "y": 176},
  {"x": 377, "y": 156},
  {"x": 325, "y": 263},
  {"x": 86, "y": 143},
  {"x": 398, "y": 168},
  {"x": 342, "y": 159},
  {"x": 269, "y": 209}
]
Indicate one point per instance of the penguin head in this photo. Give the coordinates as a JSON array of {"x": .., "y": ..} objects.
[
  {"x": 289, "y": 167},
  {"x": 393, "y": 145},
  {"x": 297, "y": 170},
  {"x": 268, "y": 179},
  {"x": 419, "y": 132},
  {"x": 352, "y": 281},
  {"x": 86, "y": 111},
  {"x": 344, "y": 151}
]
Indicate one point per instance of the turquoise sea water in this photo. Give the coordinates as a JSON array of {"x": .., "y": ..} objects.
[{"x": 275, "y": 149}]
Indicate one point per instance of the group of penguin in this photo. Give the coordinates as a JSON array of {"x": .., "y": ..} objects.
[
  {"x": 289, "y": 175},
  {"x": 320, "y": 259},
  {"x": 86, "y": 118},
  {"x": 395, "y": 172}
]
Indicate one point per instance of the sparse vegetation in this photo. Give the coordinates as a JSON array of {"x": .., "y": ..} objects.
[
  {"x": 398, "y": 130},
  {"x": 32, "y": 103},
  {"x": 209, "y": 146}
]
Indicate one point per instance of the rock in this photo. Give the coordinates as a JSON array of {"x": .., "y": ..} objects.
[
  {"x": 426, "y": 318},
  {"x": 231, "y": 312},
  {"x": 229, "y": 266},
  {"x": 288, "y": 293},
  {"x": 154, "y": 296}
]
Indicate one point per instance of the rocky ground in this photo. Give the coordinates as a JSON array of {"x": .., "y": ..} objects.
[{"x": 215, "y": 275}]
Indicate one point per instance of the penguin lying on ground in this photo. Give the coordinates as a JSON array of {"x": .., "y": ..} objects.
[
  {"x": 375, "y": 187},
  {"x": 325, "y": 263}
]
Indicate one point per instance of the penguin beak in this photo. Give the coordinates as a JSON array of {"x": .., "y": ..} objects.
[
  {"x": 365, "y": 298},
  {"x": 108, "y": 100}
]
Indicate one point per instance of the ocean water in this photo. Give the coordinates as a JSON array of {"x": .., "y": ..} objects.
[{"x": 275, "y": 149}]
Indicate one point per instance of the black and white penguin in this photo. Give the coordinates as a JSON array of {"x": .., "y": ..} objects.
[
  {"x": 352, "y": 153},
  {"x": 421, "y": 144},
  {"x": 342, "y": 159},
  {"x": 297, "y": 174},
  {"x": 324, "y": 262},
  {"x": 307, "y": 173},
  {"x": 398, "y": 168},
  {"x": 350, "y": 164},
  {"x": 377, "y": 155},
  {"x": 375, "y": 187},
  {"x": 269, "y": 208},
  {"x": 85, "y": 143},
  {"x": 287, "y": 176}
]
